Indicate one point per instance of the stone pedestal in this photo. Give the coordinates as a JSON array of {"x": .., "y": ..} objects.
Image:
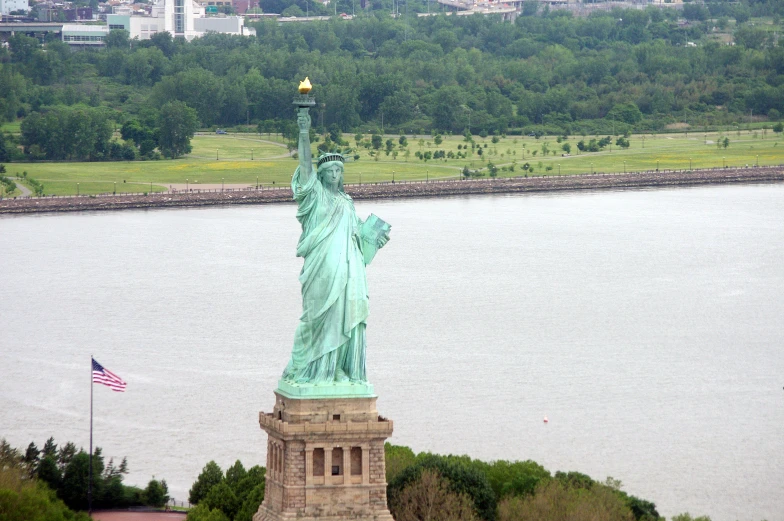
[{"x": 325, "y": 460}]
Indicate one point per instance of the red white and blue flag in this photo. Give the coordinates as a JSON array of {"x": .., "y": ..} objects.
[{"x": 101, "y": 375}]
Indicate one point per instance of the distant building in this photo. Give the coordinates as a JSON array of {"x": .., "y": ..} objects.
[
  {"x": 87, "y": 35},
  {"x": 79, "y": 13},
  {"x": 59, "y": 14},
  {"x": 242, "y": 6},
  {"x": 6, "y": 6},
  {"x": 183, "y": 18}
]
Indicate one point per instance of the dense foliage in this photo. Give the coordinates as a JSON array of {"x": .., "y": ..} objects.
[
  {"x": 25, "y": 499},
  {"x": 548, "y": 71},
  {"x": 508, "y": 491},
  {"x": 235, "y": 496},
  {"x": 63, "y": 472}
]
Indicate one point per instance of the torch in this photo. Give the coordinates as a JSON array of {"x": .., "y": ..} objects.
[{"x": 305, "y": 100}]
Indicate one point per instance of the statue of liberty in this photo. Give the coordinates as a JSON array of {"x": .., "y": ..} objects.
[{"x": 329, "y": 343}]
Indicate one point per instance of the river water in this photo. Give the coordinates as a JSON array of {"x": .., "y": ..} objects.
[{"x": 646, "y": 325}]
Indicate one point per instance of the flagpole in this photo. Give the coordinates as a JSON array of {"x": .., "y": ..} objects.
[{"x": 90, "y": 479}]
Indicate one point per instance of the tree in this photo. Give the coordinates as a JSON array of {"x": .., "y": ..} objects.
[
  {"x": 399, "y": 457},
  {"x": 210, "y": 476},
  {"x": 235, "y": 474},
  {"x": 156, "y": 494},
  {"x": 566, "y": 147},
  {"x": 22, "y": 499},
  {"x": 462, "y": 478},
  {"x": 49, "y": 473},
  {"x": 697, "y": 12},
  {"x": 778, "y": 127},
  {"x": 50, "y": 448},
  {"x": 31, "y": 458},
  {"x": 742, "y": 13},
  {"x": 4, "y": 155},
  {"x": 437, "y": 139},
  {"x": 201, "y": 89},
  {"x": 164, "y": 42},
  {"x": 555, "y": 501},
  {"x": 75, "y": 477},
  {"x": 177, "y": 124},
  {"x": 377, "y": 141},
  {"x": 625, "y": 112},
  {"x": 251, "y": 504},
  {"x": 430, "y": 498},
  {"x": 443, "y": 112},
  {"x": 65, "y": 455},
  {"x": 516, "y": 478},
  {"x": 67, "y": 133},
  {"x": 222, "y": 497},
  {"x": 725, "y": 142},
  {"x": 750, "y": 37},
  {"x": 118, "y": 39},
  {"x": 492, "y": 169}
]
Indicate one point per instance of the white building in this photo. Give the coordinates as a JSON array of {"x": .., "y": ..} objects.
[
  {"x": 80, "y": 34},
  {"x": 6, "y": 6},
  {"x": 183, "y": 18}
]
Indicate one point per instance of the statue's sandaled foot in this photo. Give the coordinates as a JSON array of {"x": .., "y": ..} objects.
[{"x": 341, "y": 376}]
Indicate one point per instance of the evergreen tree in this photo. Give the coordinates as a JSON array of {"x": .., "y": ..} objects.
[{"x": 210, "y": 476}]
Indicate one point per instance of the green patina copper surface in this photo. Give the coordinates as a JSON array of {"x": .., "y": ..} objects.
[{"x": 328, "y": 357}]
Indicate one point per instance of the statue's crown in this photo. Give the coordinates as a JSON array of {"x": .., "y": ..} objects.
[{"x": 324, "y": 158}]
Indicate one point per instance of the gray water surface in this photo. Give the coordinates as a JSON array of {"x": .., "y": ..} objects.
[{"x": 646, "y": 325}]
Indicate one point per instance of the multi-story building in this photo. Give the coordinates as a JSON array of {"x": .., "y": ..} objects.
[
  {"x": 183, "y": 18},
  {"x": 8, "y": 6}
]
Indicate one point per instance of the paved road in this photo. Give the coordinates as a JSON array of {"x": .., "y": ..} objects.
[{"x": 22, "y": 188}]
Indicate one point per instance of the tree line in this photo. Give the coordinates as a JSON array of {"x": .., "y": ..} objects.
[
  {"x": 548, "y": 71},
  {"x": 432, "y": 487},
  {"x": 52, "y": 482}
]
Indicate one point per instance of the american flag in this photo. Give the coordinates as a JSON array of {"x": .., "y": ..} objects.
[{"x": 102, "y": 375}]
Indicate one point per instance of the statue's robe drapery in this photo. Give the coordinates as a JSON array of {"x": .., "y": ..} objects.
[{"x": 330, "y": 335}]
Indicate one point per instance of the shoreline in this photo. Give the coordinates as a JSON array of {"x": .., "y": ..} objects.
[{"x": 407, "y": 189}]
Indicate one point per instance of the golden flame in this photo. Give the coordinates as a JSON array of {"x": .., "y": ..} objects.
[{"x": 305, "y": 86}]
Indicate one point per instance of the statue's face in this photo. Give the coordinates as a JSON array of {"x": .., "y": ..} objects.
[{"x": 331, "y": 175}]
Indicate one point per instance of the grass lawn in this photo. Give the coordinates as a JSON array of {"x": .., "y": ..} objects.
[
  {"x": 237, "y": 147},
  {"x": 271, "y": 164},
  {"x": 13, "y": 127}
]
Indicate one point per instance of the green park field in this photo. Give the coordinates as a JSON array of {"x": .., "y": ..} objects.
[{"x": 242, "y": 160}]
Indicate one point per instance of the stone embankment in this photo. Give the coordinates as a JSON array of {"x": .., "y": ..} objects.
[{"x": 401, "y": 189}]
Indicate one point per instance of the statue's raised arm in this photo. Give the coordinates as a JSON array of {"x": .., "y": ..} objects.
[{"x": 303, "y": 150}]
